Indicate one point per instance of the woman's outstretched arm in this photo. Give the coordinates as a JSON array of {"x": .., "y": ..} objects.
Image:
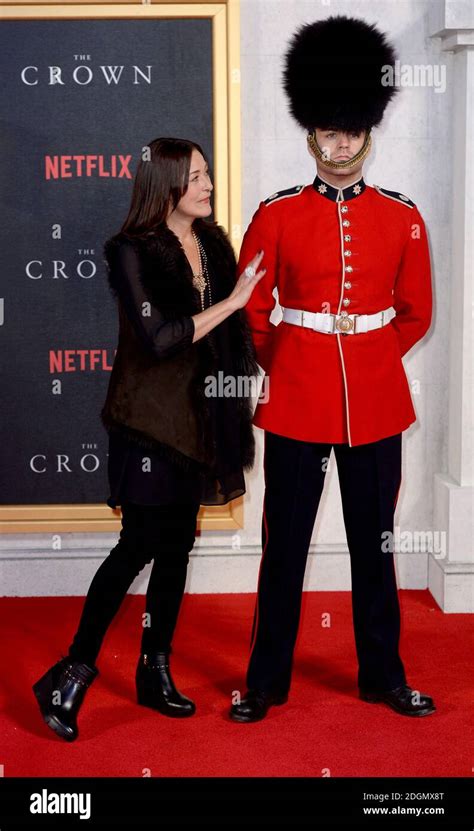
[
  {"x": 167, "y": 337},
  {"x": 241, "y": 293}
]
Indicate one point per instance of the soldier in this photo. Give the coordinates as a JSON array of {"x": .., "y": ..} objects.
[{"x": 352, "y": 268}]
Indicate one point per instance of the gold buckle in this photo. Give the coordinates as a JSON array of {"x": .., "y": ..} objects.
[{"x": 344, "y": 323}]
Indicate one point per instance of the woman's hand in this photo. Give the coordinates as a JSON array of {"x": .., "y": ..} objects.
[
  {"x": 207, "y": 320},
  {"x": 246, "y": 283}
]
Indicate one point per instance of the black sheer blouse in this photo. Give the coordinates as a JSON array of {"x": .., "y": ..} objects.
[{"x": 143, "y": 476}]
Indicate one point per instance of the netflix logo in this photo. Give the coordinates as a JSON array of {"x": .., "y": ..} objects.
[
  {"x": 79, "y": 360},
  {"x": 68, "y": 167}
]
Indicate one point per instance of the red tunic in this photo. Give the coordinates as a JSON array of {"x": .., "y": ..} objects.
[{"x": 323, "y": 245}]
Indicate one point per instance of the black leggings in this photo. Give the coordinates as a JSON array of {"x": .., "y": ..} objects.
[{"x": 161, "y": 533}]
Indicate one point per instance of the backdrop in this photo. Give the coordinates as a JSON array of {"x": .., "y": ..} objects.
[{"x": 84, "y": 98}]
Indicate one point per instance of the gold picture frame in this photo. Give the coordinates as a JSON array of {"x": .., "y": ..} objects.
[{"x": 225, "y": 17}]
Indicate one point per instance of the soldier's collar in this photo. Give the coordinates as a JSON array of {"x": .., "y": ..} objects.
[{"x": 339, "y": 194}]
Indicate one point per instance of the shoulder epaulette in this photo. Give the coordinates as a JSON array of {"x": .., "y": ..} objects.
[
  {"x": 283, "y": 194},
  {"x": 398, "y": 197}
]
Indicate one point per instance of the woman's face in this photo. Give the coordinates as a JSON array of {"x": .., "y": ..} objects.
[{"x": 197, "y": 199}]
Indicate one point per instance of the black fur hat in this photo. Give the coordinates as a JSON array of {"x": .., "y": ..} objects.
[{"x": 333, "y": 71}]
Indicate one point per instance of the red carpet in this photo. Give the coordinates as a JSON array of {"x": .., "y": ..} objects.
[{"x": 324, "y": 729}]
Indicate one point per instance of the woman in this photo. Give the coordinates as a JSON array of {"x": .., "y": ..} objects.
[{"x": 172, "y": 446}]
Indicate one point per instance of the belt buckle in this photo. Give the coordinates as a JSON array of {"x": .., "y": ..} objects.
[{"x": 344, "y": 324}]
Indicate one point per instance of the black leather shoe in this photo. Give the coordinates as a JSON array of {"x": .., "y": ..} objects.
[
  {"x": 255, "y": 705},
  {"x": 403, "y": 700},
  {"x": 60, "y": 693},
  {"x": 156, "y": 689}
]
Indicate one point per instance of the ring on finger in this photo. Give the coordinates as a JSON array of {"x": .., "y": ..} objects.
[{"x": 250, "y": 272}]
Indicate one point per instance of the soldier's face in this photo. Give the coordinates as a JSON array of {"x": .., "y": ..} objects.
[{"x": 339, "y": 146}]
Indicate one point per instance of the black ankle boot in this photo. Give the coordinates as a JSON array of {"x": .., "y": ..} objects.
[
  {"x": 60, "y": 693},
  {"x": 156, "y": 689}
]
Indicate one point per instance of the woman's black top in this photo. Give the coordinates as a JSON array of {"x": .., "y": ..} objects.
[{"x": 143, "y": 476}]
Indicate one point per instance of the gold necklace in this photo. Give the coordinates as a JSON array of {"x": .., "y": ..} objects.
[{"x": 199, "y": 280}]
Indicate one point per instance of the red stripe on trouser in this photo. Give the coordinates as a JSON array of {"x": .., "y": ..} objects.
[
  {"x": 396, "y": 498},
  {"x": 252, "y": 645},
  {"x": 256, "y": 614}
]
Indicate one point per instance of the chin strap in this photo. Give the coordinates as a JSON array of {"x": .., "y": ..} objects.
[{"x": 346, "y": 165}]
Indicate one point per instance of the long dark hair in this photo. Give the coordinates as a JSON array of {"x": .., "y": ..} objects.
[{"x": 162, "y": 177}]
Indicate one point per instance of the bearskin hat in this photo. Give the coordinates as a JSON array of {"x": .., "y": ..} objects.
[{"x": 333, "y": 74}]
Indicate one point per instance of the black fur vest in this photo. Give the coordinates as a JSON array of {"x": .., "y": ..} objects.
[{"x": 160, "y": 403}]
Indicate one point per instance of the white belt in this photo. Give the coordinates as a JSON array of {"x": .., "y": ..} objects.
[{"x": 331, "y": 324}]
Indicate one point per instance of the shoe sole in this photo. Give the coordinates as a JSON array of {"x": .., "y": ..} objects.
[
  {"x": 171, "y": 713},
  {"x": 243, "y": 720},
  {"x": 51, "y": 720},
  {"x": 373, "y": 699}
]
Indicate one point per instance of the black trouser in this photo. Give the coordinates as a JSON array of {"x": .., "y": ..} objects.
[
  {"x": 369, "y": 479},
  {"x": 165, "y": 534}
]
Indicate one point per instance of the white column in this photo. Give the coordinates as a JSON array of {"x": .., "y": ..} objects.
[{"x": 450, "y": 576}]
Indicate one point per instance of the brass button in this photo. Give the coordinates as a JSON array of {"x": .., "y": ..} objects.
[
  {"x": 346, "y": 301},
  {"x": 346, "y": 223},
  {"x": 347, "y": 237},
  {"x": 348, "y": 268},
  {"x": 344, "y": 209},
  {"x": 347, "y": 285},
  {"x": 347, "y": 253}
]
